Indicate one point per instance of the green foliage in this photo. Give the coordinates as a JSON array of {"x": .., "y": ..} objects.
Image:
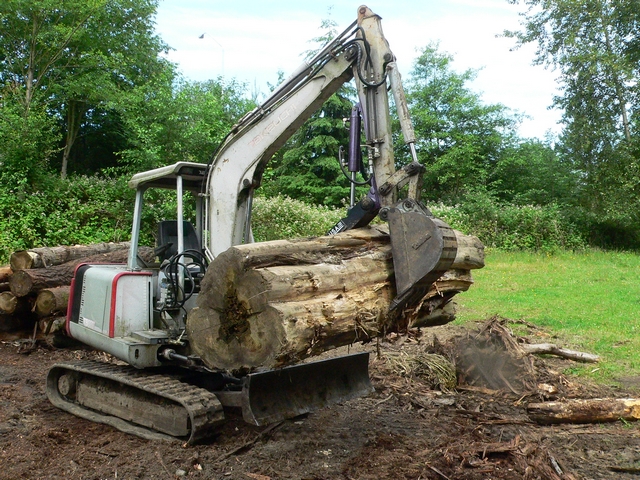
[
  {"x": 307, "y": 168},
  {"x": 594, "y": 46},
  {"x": 512, "y": 227},
  {"x": 281, "y": 217},
  {"x": 459, "y": 138},
  {"x": 80, "y": 210},
  {"x": 77, "y": 210},
  {"x": 532, "y": 173},
  {"x": 26, "y": 141},
  {"x": 182, "y": 122},
  {"x": 77, "y": 58}
]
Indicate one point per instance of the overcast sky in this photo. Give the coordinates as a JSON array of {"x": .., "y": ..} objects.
[{"x": 251, "y": 40}]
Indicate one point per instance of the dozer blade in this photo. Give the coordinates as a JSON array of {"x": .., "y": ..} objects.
[
  {"x": 275, "y": 395},
  {"x": 423, "y": 248}
]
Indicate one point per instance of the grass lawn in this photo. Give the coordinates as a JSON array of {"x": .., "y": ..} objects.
[{"x": 590, "y": 300}]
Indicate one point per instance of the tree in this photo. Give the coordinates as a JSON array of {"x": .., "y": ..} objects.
[
  {"x": 459, "y": 138},
  {"x": 531, "y": 172},
  {"x": 167, "y": 122},
  {"x": 76, "y": 56},
  {"x": 594, "y": 45}
]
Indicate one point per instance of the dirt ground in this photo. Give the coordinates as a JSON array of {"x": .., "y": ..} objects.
[{"x": 405, "y": 430}]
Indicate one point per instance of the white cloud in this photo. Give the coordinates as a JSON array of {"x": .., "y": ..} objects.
[{"x": 252, "y": 40}]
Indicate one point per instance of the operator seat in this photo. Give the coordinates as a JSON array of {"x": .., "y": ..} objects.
[{"x": 168, "y": 233}]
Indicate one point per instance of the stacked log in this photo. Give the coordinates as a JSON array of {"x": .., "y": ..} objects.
[
  {"x": 37, "y": 282},
  {"x": 48, "y": 256},
  {"x": 275, "y": 303}
]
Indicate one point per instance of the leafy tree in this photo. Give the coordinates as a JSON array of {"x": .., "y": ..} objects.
[
  {"x": 531, "y": 172},
  {"x": 459, "y": 138},
  {"x": 77, "y": 56},
  {"x": 168, "y": 123},
  {"x": 594, "y": 45}
]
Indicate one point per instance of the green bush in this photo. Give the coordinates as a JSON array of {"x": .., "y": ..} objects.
[
  {"x": 283, "y": 217},
  {"x": 78, "y": 210},
  {"x": 81, "y": 210},
  {"x": 512, "y": 227}
]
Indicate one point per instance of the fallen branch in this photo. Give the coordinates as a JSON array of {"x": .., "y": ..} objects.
[
  {"x": 595, "y": 410},
  {"x": 552, "y": 349},
  {"x": 265, "y": 433}
]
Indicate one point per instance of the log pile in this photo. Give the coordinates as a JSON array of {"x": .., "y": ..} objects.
[
  {"x": 34, "y": 287},
  {"x": 275, "y": 303}
]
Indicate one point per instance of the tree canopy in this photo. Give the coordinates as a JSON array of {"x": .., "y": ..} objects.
[
  {"x": 595, "y": 48},
  {"x": 86, "y": 94}
]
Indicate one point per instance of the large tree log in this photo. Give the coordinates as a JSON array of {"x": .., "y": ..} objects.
[
  {"x": 52, "y": 301},
  {"x": 22, "y": 282},
  {"x": 48, "y": 256},
  {"x": 595, "y": 410},
  {"x": 274, "y": 303}
]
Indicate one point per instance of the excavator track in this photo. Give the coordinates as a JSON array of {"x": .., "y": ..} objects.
[{"x": 148, "y": 405}]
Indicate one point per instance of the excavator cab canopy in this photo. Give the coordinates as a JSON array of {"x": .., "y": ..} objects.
[
  {"x": 181, "y": 177},
  {"x": 193, "y": 177}
]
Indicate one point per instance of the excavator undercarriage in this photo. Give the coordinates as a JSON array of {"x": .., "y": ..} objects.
[{"x": 187, "y": 405}]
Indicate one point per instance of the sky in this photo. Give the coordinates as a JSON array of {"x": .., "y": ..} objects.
[{"x": 252, "y": 40}]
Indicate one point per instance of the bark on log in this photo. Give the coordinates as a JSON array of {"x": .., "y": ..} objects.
[
  {"x": 274, "y": 303},
  {"x": 52, "y": 301},
  {"x": 596, "y": 410},
  {"x": 552, "y": 349},
  {"x": 48, "y": 256},
  {"x": 8, "y": 303},
  {"x": 22, "y": 282}
]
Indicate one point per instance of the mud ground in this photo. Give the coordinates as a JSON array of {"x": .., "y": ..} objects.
[{"x": 405, "y": 430}]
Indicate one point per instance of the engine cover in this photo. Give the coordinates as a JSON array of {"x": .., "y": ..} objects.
[{"x": 110, "y": 309}]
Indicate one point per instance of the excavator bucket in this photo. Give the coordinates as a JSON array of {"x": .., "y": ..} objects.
[
  {"x": 275, "y": 395},
  {"x": 423, "y": 248}
]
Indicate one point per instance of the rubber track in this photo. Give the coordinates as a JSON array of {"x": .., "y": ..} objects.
[{"x": 203, "y": 407}]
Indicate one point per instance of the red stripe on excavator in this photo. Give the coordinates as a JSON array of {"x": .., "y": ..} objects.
[
  {"x": 114, "y": 286},
  {"x": 72, "y": 290}
]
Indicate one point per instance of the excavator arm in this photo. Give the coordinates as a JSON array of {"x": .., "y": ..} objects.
[{"x": 423, "y": 247}]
